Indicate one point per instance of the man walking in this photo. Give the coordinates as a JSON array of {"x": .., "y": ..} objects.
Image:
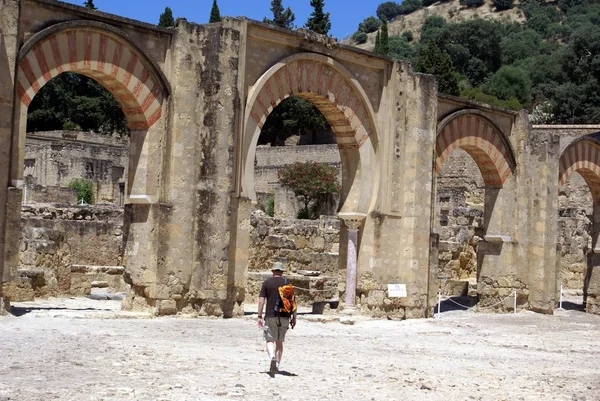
[{"x": 274, "y": 326}]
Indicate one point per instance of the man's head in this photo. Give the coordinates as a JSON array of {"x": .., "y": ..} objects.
[{"x": 277, "y": 269}]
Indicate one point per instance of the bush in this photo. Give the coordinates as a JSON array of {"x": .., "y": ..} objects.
[
  {"x": 370, "y": 24},
  {"x": 84, "y": 188},
  {"x": 408, "y": 35},
  {"x": 360, "y": 37},
  {"x": 270, "y": 206},
  {"x": 503, "y": 4},
  {"x": 472, "y": 3}
]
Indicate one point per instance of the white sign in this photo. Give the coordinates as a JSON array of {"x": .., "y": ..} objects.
[{"x": 397, "y": 290}]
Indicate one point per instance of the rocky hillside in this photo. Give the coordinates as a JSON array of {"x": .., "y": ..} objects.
[{"x": 452, "y": 11}]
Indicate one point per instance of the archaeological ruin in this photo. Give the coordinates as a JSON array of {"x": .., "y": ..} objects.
[{"x": 434, "y": 188}]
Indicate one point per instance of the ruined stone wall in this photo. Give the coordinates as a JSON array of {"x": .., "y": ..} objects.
[
  {"x": 309, "y": 250},
  {"x": 56, "y": 158},
  {"x": 55, "y": 238}
]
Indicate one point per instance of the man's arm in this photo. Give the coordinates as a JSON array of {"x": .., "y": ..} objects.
[
  {"x": 261, "y": 303},
  {"x": 293, "y": 321}
]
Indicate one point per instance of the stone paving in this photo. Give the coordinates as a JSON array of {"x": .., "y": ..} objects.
[{"x": 81, "y": 349}]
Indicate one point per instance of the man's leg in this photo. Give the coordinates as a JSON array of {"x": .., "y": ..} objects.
[
  {"x": 271, "y": 349},
  {"x": 278, "y": 351}
]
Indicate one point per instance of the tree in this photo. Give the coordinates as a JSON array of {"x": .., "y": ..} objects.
[
  {"x": 408, "y": 6},
  {"x": 215, "y": 14},
  {"x": 385, "y": 39},
  {"x": 75, "y": 102},
  {"x": 510, "y": 83},
  {"x": 369, "y": 24},
  {"x": 388, "y": 10},
  {"x": 400, "y": 48},
  {"x": 432, "y": 60},
  {"x": 166, "y": 18},
  {"x": 310, "y": 181},
  {"x": 281, "y": 17},
  {"x": 319, "y": 21},
  {"x": 90, "y": 4},
  {"x": 377, "y": 48},
  {"x": 293, "y": 116}
]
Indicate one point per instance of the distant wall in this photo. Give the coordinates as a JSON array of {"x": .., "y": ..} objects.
[{"x": 55, "y": 158}]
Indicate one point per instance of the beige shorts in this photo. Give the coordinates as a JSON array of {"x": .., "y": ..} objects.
[{"x": 273, "y": 332}]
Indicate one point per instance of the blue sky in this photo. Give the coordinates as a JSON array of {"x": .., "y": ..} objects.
[{"x": 345, "y": 14}]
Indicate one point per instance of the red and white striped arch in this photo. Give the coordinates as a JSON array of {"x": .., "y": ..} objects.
[
  {"x": 100, "y": 55},
  {"x": 482, "y": 140},
  {"x": 582, "y": 157},
  {"x": 320, "y": 82}
]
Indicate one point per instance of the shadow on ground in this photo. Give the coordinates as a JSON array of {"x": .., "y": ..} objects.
[
  {"x": 20, "y": 311},
  {"x": 457, "y": 303}
]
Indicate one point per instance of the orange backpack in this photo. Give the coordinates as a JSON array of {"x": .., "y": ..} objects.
[{"x": 287, "y": 301}]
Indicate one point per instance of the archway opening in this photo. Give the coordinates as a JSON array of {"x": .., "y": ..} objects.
[
  {"x": 575, "y": 230},
  {"x": 583, "y": 157},
  {"x": 296, "y": 132},
  {"x": 76, "y": 161},
  {"x": 459, "y": 208},
  {"x": 473, "y": 164}
]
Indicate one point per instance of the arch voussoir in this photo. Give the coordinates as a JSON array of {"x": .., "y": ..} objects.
[
  {"x": 100, "y": 55},
  {"x": 482, "y": 140}
]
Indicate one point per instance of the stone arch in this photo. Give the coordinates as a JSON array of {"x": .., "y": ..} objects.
[
  {"x": 105, "y": 54},
  {"x": 582, "y": 156},
  {"x": 471, "y": 131},
  {"x": 102, "y": 53},
  {"x": 340, "y": 98}
]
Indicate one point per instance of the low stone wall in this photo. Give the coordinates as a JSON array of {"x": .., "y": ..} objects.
[
  {"x": 55, "y": 238},
  {"x": 308, "y": 248}
]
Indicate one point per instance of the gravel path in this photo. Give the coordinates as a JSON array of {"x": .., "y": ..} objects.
[{"x": 89, "y": 350}]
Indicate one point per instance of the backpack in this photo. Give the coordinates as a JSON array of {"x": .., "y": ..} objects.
[{"x": 286, "y": 302}]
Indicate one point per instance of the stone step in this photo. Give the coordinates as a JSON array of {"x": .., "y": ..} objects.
[
  {"x": 89, "y": 269},
  {"x": 31, "y": 273}
]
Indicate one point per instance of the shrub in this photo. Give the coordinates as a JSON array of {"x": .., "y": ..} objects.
[
  {"x": 503, "y": 4},
  {"x": 84, "y": 188},
  {"x": 360, "y": 37},
  {"x": 473, "y": 3},
  {"x": 270, "y": 206},
  {"x": 408, "y": 35},
  {"x": 369, "y": 24}
]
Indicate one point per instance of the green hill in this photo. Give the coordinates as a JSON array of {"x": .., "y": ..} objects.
[{"x": 542, "y": 56}]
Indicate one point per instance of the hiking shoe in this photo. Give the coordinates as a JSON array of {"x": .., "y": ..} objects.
[{"x": 273, "y": 367}]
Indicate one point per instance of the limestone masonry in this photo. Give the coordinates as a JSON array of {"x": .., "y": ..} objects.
[{"x": 196, "y": 97}]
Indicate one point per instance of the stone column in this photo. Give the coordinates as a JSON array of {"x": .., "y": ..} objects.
[{"x": 353, "y": 222}]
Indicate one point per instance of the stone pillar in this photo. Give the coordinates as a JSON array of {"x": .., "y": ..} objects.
[
  {"x": 9, "y": 45},
  {"x": 353, "y": 221},
  {"x": 591, "y": 285}
]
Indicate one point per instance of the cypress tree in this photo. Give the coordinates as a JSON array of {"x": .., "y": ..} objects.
[
  {"x": 215, "y": 14},
  {"x": 384, "y": 44},
  {"x": 319, "y": 20},
  {"x": 166, "y": 19},
  {"x": 377, "y": 48},
  {"x": 281, "y": 17},
  {"x": 90, "y": 4}
]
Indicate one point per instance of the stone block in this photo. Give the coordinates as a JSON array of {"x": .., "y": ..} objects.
[
  {"x": 456, "y": 288},
  {"x": 166, "y": 307}
]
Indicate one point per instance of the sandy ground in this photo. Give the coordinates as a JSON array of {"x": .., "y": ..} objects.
[{"x": 78, "y": 349}]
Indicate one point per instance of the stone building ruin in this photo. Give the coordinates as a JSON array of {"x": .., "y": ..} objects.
[{"x": 195, "y": 98}]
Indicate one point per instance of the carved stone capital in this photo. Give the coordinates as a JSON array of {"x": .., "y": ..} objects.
[{"x": 352, "y": 220}]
